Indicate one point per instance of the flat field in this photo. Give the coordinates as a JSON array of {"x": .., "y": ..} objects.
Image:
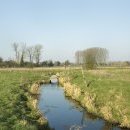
[
  {"x": 109, "y": 90},
  {"x": 16, "y": 111}
]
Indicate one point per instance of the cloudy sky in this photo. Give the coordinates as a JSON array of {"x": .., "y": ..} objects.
[{"x": 64, "y": 26}]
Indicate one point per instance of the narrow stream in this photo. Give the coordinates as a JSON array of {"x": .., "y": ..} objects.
[{"x": 65, "y": 114}]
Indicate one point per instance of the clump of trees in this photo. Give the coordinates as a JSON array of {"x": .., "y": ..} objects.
[
  {"x": 47, "y": 63},
  {"x": 27, "y": 54},
  {"x": 50, "y": 63},
  {"x": 92, "y": 57}
]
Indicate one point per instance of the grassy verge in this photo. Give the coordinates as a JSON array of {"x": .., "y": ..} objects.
[
  {"x": 104, "y": 92},
  {"x": 17, "y": 100}
]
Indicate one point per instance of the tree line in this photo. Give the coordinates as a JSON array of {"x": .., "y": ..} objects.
[
  {"x": 46, "y": 63},
  {"x": 27, "y": 53},
  {"x": 29, "y": 56},
  {"x": 94, "y": 57}
]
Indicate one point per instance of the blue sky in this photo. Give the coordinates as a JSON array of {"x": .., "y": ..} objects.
[{"x": 64, "y": 26}]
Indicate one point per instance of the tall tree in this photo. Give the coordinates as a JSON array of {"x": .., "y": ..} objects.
[
  {"x": 23, "y": 54},
  {"x": 16, "y": 50},
  {"x": 37, "y": 53},
  {"x": 79, "y": 58},
  {"x": 30, "y": 53},
  {"x": 93, "y": 57}
]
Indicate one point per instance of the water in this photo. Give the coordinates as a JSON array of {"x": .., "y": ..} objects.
[{"x": 65, "y": 114}]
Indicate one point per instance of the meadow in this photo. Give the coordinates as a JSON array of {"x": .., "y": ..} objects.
[
  {"x": 107, "y": 92},
  {"x": 16, "y": 110}
]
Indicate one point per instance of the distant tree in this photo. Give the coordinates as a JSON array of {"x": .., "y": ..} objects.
[
  {"x": 1, "y": 62},
  {"x": 20, "y": 51},
  {"x": 101, "y": 55},
  {"x": 16, "y": 50},
  {"x": 37, "y": 53},
  {"x": 23, "y": 54},
  {"x": 10, "y": 63},
  {"x": 79, "y": 57},
  {"x": 44, "y": 63},
  {"x": 67, "y": 63},
  {"x": 30, "y": 54},
  {"x": 1, "y": 59},
  {"x": 126, "y": 63},
  {"x": 92, "y": 57},
  {"x": 57, "y": 63},
  {"x": 50, "y": 63},
  {"x": 89, "y": 59}
]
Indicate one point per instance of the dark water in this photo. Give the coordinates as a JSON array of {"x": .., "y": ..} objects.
[{"x": 65, "y": 114}]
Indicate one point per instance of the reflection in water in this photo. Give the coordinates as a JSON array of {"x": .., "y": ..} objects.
[
  {"x": 91, "y": 116},
  {"x": 107, "y": 126},
  {"x": 85, "y": 114},
  {"x": 66, "y": 114}
]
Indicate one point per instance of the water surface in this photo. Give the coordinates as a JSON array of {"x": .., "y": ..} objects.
[{"x": 65, "y": 114}]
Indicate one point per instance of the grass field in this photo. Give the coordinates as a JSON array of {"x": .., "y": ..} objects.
[
  {"x": 108, "y": 91},
  {"x": 16, "y": 111}
]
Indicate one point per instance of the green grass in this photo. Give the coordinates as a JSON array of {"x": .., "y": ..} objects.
[
  {"x": 111, "y": 87},
  {"x": 15, "y": 111}
]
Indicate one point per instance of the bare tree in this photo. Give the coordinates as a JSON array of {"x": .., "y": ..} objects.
[
  {"x": 30, "y": 53},
  {"x": 16, "y": 50},
  {"x": 79, "y": 57},
  {"x": 37, "y": 53},
  {"x": 33, "y": 52},
  {"x": 101, "y": 55},
  {"x": 20, "y": 51},
  {"x": 92, "y": 57},
  {"x": 89, "y": 58},
  {"x": 23, "y": 53}
]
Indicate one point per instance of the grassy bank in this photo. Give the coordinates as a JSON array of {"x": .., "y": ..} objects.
[
  {"x": 104, "y": 92},
  {"x": 18, "y": 100}
]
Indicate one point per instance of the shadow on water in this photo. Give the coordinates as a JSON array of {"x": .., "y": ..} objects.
[
  {"x": 64, "y": 113},
  {"x": 91, "y": 117}
]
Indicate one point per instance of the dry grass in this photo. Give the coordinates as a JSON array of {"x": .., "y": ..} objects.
[{"x": 109, "y": 94}]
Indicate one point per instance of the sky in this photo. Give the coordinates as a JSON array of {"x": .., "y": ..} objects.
[{"x": 65, "y": 26}]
